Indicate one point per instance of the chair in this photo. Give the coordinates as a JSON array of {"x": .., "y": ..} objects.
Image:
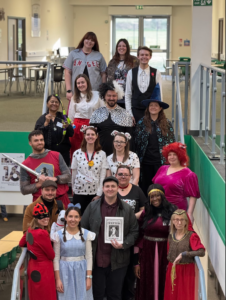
[
  {"x": 58, "y": 78},
  {"x": 182, "y": 74},
  {"x": 12, "y": 76},
  {"x": 4, "y": 261},
  {"x": 32, "y": 79}
]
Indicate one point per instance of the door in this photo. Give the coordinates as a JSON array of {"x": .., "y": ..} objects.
[
  {"x": 220, "y": 38},
  {"x": 16, "y": 39}
]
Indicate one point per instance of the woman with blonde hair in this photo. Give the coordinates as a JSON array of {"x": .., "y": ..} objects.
[
  {"x": 83, "y": 103},
  {"x": 41, "y": 280},
  {"x": 183, "y": 245},
  {"x": 122, "y": 155}
]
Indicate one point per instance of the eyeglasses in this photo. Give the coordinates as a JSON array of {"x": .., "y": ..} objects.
[
  {"x": 123, "y": 175},
  {"x": 179, "y": 220},
  {"x": 119, "y": 142}
]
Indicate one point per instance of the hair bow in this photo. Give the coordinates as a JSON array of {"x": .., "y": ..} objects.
[
  {"x": 85, "y": 127},
  {"x": 183, "y": 146},
  {"x": 78, "y": 205}
]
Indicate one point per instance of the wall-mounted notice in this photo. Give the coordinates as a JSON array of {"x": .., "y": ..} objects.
[
  {"x": 202, "y": 2},
  {"x": 186, "y": 42},
  {"x": 180, "y": 42},
  {"x": 10, "y": 172}
]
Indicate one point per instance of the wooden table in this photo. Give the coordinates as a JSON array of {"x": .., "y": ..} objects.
[
  {"x": 14, "y": 236},
  {"x": 7, "y": 246},
  {"x": 5, "y": 68}
]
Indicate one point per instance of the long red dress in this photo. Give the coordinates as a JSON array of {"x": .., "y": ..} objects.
[
  {"x": 41, "y": 280},
  {"x": 153, "y": 260},
  {"x": 183, "y": 286}
]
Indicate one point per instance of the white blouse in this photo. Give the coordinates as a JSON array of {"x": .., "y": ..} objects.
[
  {"x": 56, "y": 246},
  {"x": 133, "y": 162},
  {"x": 84, "y": 109},
  {"x": 85, "y": 181}
]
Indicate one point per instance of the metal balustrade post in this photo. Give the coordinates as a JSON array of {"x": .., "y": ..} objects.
[
  {"x": 26, "y": 277},
  {"x": 201, "y": 102},
  {"x": 179, "y": 110},
  {"x": 207, "y": 106},
  {"x": 222, "y": 132},
  {"x": 176, "y": 121},
  {"x": 44, "y": 107},
  {"x": 173, "y": 94},
  {"x": 52, "y": 78},
  {"x": 186, "y": 99},
  {"x": 202, "y": 286},
  {"x": 214, "y": 90}
]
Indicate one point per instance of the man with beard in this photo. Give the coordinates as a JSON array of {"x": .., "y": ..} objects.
[
  {"x": 48, "y": 198},
  {"x": 42, "y": 158},
  {"x": 112, "y": 116}
]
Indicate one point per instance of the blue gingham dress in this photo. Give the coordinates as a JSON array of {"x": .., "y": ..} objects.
[{"x": 73, "y": 273}]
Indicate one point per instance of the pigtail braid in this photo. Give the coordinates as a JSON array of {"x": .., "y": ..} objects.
[
  {"x": 64, "y": 232},
  {"x": 81, "y": 234}
]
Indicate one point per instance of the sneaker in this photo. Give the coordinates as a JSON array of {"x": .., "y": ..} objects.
[{"x": 5, "y": 219}]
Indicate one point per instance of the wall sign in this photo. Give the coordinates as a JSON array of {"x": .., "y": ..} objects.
[
  {"x": 2, "y": 14},
  {"x": 10, "y": 172},
  {"x": 186, "y": 42},
  {"x": 202, "y": 2},
  {"x": 35, "y": 18}
]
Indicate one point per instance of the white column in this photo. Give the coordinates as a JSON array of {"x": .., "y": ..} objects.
[{"x": 200, "y": 53}]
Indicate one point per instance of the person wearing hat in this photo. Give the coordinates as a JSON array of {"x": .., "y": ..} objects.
[
  {"x": 110, "y": 117},
  {"x": 151, "y": 246},
  {"x": 48, "y": 198},
  {"x": 152, "y": 133},
  {"x": 41, "y": 280},
  {"x": 110, "y": 260},
  {"x": 56, "y": 131}
]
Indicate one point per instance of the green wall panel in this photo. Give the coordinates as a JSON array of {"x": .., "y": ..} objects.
[{"x": 14, "y": 142}]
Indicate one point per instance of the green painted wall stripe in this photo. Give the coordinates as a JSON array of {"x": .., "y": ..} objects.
[
  {"x": 14, "y": 142},
  {"x": 211, "y": 184}
]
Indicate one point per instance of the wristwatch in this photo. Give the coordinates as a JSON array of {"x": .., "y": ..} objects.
[
  {"x": 89, "y": 276},
  {"x": 69, "y": 91}
]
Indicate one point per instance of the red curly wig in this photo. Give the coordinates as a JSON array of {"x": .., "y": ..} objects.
[{"x": 180, "y": 150}]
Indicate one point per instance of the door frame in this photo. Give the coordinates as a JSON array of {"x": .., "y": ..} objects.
[{"x": 220, "y": 42}]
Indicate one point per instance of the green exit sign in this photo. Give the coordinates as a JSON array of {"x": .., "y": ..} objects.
[
  {"x": 139, "y": 7},
  {"x": 202, "y": 2}
]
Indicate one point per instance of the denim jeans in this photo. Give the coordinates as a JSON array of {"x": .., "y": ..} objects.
[{"x": 4, "y": 213}]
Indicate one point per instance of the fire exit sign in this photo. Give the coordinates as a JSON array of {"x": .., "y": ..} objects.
[
  {"x": 202, "y": 2},
  {"x": 139, "y": 7}
]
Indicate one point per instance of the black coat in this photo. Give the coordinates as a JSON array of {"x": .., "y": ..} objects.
[{"x": 53, "y": 134}]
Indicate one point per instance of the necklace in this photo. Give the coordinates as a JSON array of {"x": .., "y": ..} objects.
[
  {"x": 123, "y": 188},
  {"x": 90, "y": 162}
]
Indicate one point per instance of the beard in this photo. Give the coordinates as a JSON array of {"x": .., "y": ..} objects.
[{"x": 111, "y": 103}]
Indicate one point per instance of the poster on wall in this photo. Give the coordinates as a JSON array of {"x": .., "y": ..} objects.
[
  {"x": 180, "y": 42},
  {"x": 10, "y": 172},
  {"x": 186, "y": 43},
  {"x": 35, "y": 18}
]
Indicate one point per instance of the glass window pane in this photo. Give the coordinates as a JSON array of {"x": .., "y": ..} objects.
[
  {"x": 127, "y": 28},
  {"x": 155, "y": 33},
  {"x": 158, "y": 61}
]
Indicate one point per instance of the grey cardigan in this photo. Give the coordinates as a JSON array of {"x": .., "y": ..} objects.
[{"x": 92, "y": 219}]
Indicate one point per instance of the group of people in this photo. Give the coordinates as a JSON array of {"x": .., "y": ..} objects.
[{"x": 120, "y": 156}]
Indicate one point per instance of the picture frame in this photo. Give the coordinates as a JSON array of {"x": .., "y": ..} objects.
[{"x": 114, "y": 229}]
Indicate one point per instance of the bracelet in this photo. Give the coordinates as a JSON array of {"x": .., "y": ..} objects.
[{"x": 89, "y": 276}]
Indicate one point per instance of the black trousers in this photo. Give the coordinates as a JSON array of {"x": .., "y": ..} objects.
[
  {"x": 147, "y": 173},
  {"x": 84, "y": 200},
  {"x": 128, "y": 290},
  {"x": 108, "y": 282},
  {"x": 66, "y": 157}
]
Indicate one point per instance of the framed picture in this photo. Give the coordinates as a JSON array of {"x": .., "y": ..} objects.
[{"x": 114, "y": 229}]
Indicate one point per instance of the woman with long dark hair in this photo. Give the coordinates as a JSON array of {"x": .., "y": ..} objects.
[
  {"x": 83, "y": 103},
  {"x": 152, "y": 133},
  {"x": 85, "y": 59},
  {"x": 151, "y": 246},
  {"x": 88, "y": 168},
  {"x": 55, "y": 130},
  {"x": 41, "y": 281},
  {"x": 73, "y": 257},
  {"x": 120, "y": 65}
]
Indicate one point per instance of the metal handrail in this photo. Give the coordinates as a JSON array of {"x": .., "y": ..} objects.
[
  {"x": 49, "y": 68},
  {"x": 202, "y": 285},
  {"x": 206, "y": 86},
  {"x": 15, "y": 294}
]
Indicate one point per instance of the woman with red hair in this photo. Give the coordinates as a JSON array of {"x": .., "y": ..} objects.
[{"x": 177, "y": 179}]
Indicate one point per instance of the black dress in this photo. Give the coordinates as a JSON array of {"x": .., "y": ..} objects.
[{"x": 53, "y": 135}]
